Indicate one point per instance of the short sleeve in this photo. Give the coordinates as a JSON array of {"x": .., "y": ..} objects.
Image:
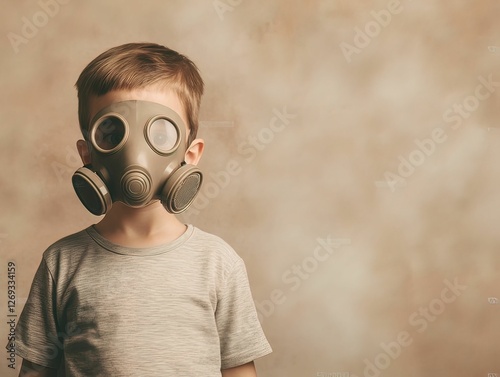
[
  {"x": 241, "y": 336},
  {"x": 37, "y": 335}
]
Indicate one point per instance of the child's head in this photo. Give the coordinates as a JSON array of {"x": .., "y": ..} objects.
[
  {"x": 138, "y": 111},
  {"x": 136, "y": 66}
]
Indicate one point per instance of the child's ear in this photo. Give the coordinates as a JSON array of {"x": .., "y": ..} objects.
[
  {"x": 194, "y": 152},
  {"x": 83, "y": 151}
]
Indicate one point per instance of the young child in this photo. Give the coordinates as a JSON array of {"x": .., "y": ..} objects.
[{"x": 140, "y": 293}]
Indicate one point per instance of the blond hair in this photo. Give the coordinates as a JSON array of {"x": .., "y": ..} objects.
[{"x": 138, "y": 65}]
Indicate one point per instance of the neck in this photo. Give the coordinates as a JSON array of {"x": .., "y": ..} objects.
[{"x": 140, "y": 227}]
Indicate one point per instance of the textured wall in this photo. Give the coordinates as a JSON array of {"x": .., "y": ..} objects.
[{"x": 352, "y": 161}]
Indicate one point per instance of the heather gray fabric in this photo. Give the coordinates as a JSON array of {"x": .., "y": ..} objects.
[{"x": 180, "y": 309}]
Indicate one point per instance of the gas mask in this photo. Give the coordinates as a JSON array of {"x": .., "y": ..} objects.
[{"x": 137, "y": 153}]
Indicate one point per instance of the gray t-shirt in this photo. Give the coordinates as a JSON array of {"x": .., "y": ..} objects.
[{"x": 180, "y": 309}]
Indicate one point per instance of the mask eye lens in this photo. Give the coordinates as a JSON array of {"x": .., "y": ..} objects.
[
  {"x": 109, "y": 133},
  {"x": 162, "y": 135}
]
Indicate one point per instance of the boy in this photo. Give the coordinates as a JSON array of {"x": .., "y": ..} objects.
[{"x": 139, "y": 293}]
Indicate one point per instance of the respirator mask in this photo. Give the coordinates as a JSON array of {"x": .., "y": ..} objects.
[{"x": 137, "y": 153}]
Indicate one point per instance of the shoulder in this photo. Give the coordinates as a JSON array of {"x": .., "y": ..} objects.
[
  {"x": 69, "y": 246},
  {"x": 214, "y": 247},
  {"x": 208, "y": 241}
]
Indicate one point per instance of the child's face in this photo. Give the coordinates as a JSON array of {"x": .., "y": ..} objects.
[
  {"x": 153, "y": 94},
  {"x": 138, "y": 160}
]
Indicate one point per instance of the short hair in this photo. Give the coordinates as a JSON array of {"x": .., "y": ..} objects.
[{"x": 138, "y": 65}]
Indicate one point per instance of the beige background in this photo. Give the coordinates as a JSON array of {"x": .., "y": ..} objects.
[{"x": 323, "y": 174}]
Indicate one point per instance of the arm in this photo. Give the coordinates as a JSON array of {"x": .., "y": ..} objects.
[
  {"x": 37, "y": 331},
  {"x": 240, "y": 332},
  {"x": 29, "y": 369},
  {"x": 245, "y": 370}
]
